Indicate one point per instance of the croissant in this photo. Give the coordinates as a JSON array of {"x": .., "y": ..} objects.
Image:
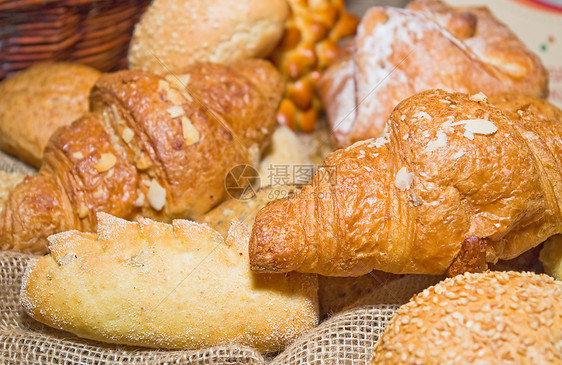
[
  {"x": 399, "y": 52},
  {"x": 178, "y": 286},
  {"x": 454, "y": 183},
  {"x": 148, "y": 147}
]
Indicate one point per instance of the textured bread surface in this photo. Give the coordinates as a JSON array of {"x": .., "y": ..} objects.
[
  {"x": 399, "y": 52},
  {"x": 485, "y": 318},
  {"x": 36, "y": 102},
  {"x": 171, "y": 286},
  {"x": 152, "y": 146},
  {"x": 174, "y": 34},
  {"x": 454, "y": 183},
  {"x": 309, "y": 45}
]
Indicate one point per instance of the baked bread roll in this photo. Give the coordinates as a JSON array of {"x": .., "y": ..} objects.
[
  {"x": 452, "y": 185},
  {"x": 169, "y": 286},
  {"x": 174, "y": 34},
  {"x": 150, "y": 147},
  {"x": 36, "y": 102},
  {"x": 486, "y": 318},
  {"x": 399, "y": 52}
]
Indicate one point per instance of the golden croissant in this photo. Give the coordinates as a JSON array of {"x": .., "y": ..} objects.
[
  {"x": 454, "y": 183},
  {"x": 149, "y": 147},
  {"x": 177, "y": 286}
]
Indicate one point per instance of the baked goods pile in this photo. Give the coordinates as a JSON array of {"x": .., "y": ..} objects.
[
  {"x": 146, "y": 149},
  {"x": 399, "y": 52},
  {"x": 451, "y": 163}
]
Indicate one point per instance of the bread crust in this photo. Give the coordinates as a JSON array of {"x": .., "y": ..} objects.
[
  {"x": 405, "y": 203},
  {"x": 173, "y": 286},
  {"x": 399, "y": 52}
]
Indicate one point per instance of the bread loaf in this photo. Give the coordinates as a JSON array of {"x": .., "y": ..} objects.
[{"x": 180, "y": 286}]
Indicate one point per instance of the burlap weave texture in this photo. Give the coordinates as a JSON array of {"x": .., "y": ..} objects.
[{"x": 347, "y": 338}]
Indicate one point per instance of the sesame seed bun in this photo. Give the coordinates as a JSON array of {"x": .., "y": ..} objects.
[
  {"x": 178, "y": 33},
  {"x": 485, "y": 318}
]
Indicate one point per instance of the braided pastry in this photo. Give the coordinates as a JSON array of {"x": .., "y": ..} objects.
[{"x": 309, "y": 45}]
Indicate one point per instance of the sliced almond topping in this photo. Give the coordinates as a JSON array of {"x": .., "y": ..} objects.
[
  {"x": 163, "y": 86},
  {"x": 403, "y": 179},
  {"x": 458, "y": 154},
  {"x": 439, "y": 143},
  {"x": 156, "y": 195},
  {"x": 83, "y": 211},
  {"x": 184, "y": 79},
  {"x": 106, "y": 162},
  {"x": 187, "y": 95},
  {"x": 127, "y": 134},
  {"x": 175, "y": 97},
  {"x": 78, "y": 155},
  {"x": 176, "y": 111},
  {"x": 479, "y": 97},
  {"x": 173, "y": 80},
  {"x": 140, "y": 200},
  {"x": 190, "y": 133},
  {"x": 422, "y": 115},
  {"x": 469, "y": 135},
  {"x": 480, "y": 126}
]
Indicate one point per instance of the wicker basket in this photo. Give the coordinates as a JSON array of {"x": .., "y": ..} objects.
[{"x": 92, "y": 32}]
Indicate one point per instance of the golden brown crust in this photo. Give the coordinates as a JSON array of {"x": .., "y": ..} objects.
[
  {"x": 485, "y": 318},
  {"x": 451, "y": 166},
  {"x": 37, "y": 101},
  {"x": 399, "y": 52},
  {"x": 167, "y": 286},
  {"x": 148, "y": 148},
  {"x": 471, "y": 257}
]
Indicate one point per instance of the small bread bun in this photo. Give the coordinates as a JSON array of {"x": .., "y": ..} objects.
[
  {"x": 36, "y": 102},
  {"x": 173, "y": 34},
  {"x": 485, "y": 318}
]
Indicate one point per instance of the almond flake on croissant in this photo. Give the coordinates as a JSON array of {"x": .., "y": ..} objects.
[
  {"x": 176, "y": 286},
  {"x": 148, "y": 147},
  {"x": 454, "y": 183}
]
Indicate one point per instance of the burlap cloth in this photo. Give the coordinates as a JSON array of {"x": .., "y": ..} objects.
[{"x": 345, "y": 338}]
